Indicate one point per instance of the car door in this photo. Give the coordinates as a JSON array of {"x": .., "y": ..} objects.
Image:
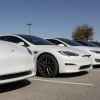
[
  {"x": 7, "y": 58},
  {"x": 12, "y": 56}
]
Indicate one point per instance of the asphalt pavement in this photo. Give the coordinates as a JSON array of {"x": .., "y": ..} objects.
[{"x": 78, "y": 86}]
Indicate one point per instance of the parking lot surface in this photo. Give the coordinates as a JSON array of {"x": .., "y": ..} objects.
[{"x": 81, "y": 86}]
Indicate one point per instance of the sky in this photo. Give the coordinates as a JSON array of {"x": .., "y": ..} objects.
[{"x": 49, "y": 18}]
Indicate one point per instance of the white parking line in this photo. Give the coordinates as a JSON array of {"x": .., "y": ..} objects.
[{"x": 63, "y": 82}]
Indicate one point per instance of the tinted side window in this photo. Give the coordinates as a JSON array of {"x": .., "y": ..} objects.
[
  {"x": 2, "y": 38},
  {"x": 83, "y": 43},
  {"x": 12, "y": 39}
]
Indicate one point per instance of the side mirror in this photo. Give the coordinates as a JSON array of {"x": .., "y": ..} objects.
[
  {"x": 61, "y": 45},
  {"x": 21, "y": 43}
]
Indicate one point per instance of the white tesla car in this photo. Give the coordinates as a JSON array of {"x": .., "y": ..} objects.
[
  {"x": 51, "y": 59},
  {"x": 16, "y": 63},
  {"x": 92, "y": 49}
]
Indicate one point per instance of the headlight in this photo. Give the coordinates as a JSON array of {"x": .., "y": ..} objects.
[
  {"x": 68, "y": 53},
  {"x": 95, "y": 51}
]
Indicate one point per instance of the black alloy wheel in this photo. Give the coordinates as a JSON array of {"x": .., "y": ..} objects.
[{"x": 47, "y": 65}]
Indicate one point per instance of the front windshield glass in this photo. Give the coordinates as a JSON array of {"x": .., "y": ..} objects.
[
  {"x": 96, "y": 43},
  {"x": 36, "y": 40},
  {"x": 70, "y": 42},
  {"x": 87, "y": 44},
  {"x": 92, "y": 44}
]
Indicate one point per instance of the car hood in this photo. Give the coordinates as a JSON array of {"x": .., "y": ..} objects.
[
  {"x": 59, "y": 48},
  {"x": 86, "y": 48}
]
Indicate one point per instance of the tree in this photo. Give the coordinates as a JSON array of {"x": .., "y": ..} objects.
[{"x": 83, "y": 33}]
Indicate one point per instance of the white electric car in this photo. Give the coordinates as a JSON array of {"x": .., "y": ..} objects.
[
  {"x": 92, "y": 49},
  {"x": 16, "y": 63},
  {"x": 51, "y": 59}
]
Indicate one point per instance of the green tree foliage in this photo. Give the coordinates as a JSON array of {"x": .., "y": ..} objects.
[{"x": 83, "y": 33}]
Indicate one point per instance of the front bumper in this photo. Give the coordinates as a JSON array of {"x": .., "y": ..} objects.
[
  {"x": 74, "y": 64},
  {"x": 96, "y": 59}
]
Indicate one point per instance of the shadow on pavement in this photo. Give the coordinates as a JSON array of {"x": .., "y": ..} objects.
[
  {"x": 71, "y": 75},
  {"x": 13, "y": 86}
]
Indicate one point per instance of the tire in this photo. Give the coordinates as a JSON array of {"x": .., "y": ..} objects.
[{"x": 47, "y": 65}]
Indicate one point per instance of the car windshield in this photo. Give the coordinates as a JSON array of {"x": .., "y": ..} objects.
[
  {"x": 96, "y": 43},
  {"x": 70, "y": 42},
  {"x": 36, "y": 40},
  {"x": 87, "y": 43}
]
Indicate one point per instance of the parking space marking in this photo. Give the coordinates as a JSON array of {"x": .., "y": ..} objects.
[{"x": 63, "y": 82}]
